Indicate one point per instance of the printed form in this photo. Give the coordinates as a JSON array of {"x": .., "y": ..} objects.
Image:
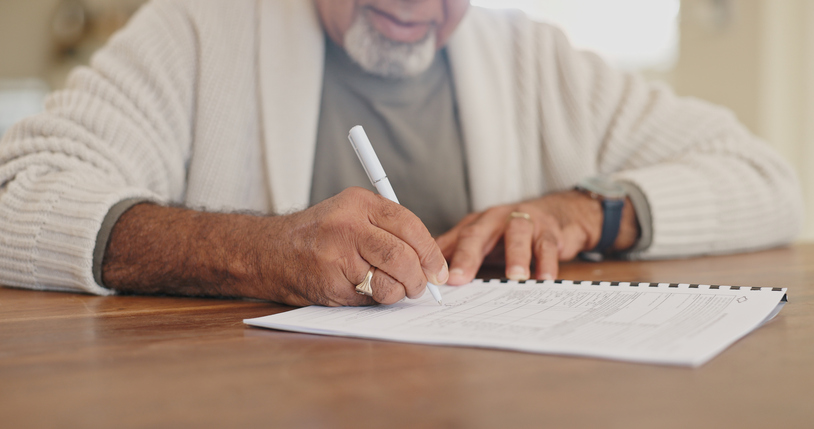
[{"x": 641, "y": 322}]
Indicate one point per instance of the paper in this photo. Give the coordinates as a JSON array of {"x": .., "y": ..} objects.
[{"x": 677, "y": 324}]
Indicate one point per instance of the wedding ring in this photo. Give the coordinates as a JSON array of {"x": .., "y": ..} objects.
[
  {"x": 364, "y": 287},
  {"x": 522, "y": 215}
]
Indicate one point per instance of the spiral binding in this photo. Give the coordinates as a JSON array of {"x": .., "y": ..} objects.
[{"x": 633, "y": 284}]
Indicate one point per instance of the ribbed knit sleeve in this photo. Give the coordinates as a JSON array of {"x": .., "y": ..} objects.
[
  {"x": 712, "y": 187},
  {"x": 120, "y": 130}
]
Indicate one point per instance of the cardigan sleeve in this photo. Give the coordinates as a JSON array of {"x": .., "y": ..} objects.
[
  {"x": 120, "y": 130},
  {"x": 711, "y": 186}
]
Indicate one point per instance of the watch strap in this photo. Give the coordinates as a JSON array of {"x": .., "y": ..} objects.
[{"x": 611, "y": 220}]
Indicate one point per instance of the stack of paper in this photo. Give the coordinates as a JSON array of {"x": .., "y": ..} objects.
[{"x": 679, "y": 324}]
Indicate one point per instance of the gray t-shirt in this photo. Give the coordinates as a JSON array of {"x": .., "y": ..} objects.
[{"x": 413, "y": 126}]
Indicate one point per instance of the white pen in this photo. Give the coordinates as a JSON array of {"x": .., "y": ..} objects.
[{"x": 375, "y": 172}]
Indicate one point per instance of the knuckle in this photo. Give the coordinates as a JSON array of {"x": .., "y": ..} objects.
[
  {"x": 337, "y": 292},
  {"x": 548, "y": 219},
  {"x": 516, "y": 245},
  {"x": 354, "y": 193},
  {"x": 388, "y": 251},
  {"x": 391, "y": 291},
  {"x": 430, "y": 254},
  {"x": 549, "y": 229},
  {"x": 466, "y": 255},
  {"x": 546, "y": 243},
  {"x": 321, "y": 294},
  {"x": 469, "y": 218},
  {"x": 351, "y": 272},
  {"x": 390, "y": 211},
  {"x": 496, "y": 210},
  {"x": 518, "y": 229},
  {"x": 419, "y": 287},
  {"x": 337, "y": 223},
  {"x": 475, "y": 230}
]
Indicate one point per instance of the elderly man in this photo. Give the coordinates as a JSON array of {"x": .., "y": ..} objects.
[{"x": 204, "y": 152}]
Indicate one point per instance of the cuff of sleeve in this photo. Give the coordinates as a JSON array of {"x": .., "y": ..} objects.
[
  {"x": 643, "y": 216},
  {"x": 682, "y": 211},
  {"x": 103, "y": 237}
]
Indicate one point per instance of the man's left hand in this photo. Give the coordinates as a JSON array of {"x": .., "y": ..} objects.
[{"x": 553, "y": 228}]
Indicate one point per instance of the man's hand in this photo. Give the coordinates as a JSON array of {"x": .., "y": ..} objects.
[
  {"x": 316, "y": 256},
  {"x": 560, "y": 226}
]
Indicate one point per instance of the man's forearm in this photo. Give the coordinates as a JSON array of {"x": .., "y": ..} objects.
[
  {"x": 315, "y": 256},
  {"x": 155, "y": 249}
]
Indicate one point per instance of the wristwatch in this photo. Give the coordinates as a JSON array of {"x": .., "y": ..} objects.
[{"x": 612, "y": 196}]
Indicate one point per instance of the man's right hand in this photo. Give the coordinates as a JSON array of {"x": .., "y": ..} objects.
[
  {"x": 316, "y": 256},
  {"x": 332, "y": 245}
]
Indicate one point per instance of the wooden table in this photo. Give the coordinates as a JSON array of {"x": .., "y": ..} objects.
[{"x": 70, "y": 360}]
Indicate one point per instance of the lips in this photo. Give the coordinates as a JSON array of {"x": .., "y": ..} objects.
[{"x": 397, "y": 30}]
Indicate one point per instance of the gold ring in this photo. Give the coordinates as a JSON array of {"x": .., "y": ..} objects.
[
  {"x": 522, "y": 215},
  {"x": 364, "y": 287}
]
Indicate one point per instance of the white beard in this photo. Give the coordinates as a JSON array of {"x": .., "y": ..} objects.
[{"x": 381, "y": 56}]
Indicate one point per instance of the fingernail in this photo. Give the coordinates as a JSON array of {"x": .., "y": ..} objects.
[
  {"x": 442, "y": 276},
  {"x": 547, "y": 276},
  {"x": 517, "y": 272}
]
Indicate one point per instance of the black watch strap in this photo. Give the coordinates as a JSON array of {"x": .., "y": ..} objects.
[{"x": 611, "y": 219}]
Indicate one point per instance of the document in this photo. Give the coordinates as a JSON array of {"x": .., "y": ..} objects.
[{"x": 674, "y": 324}]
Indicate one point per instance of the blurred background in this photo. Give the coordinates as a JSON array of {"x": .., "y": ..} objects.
[{"x": 755, "y": 57}]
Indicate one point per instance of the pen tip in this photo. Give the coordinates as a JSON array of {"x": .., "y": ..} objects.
[{"x": 441, "y": 303}]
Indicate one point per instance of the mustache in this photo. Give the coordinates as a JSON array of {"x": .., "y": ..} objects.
[{"x": 380, "y": 56}]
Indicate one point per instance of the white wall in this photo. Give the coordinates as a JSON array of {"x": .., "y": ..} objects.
[
  {"x": 28, "y": 48},
  {"x": 24, "y": 37},
  {"x": 757, "y": 58}
]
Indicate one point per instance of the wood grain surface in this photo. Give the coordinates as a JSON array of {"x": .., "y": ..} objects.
[{"x": 72, "y": 360}]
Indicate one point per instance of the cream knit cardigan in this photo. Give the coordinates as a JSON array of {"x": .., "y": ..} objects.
[{"x": 214, "y": 104}]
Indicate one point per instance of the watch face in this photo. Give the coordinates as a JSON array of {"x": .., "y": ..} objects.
[{"x": 603, "y": 186}]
